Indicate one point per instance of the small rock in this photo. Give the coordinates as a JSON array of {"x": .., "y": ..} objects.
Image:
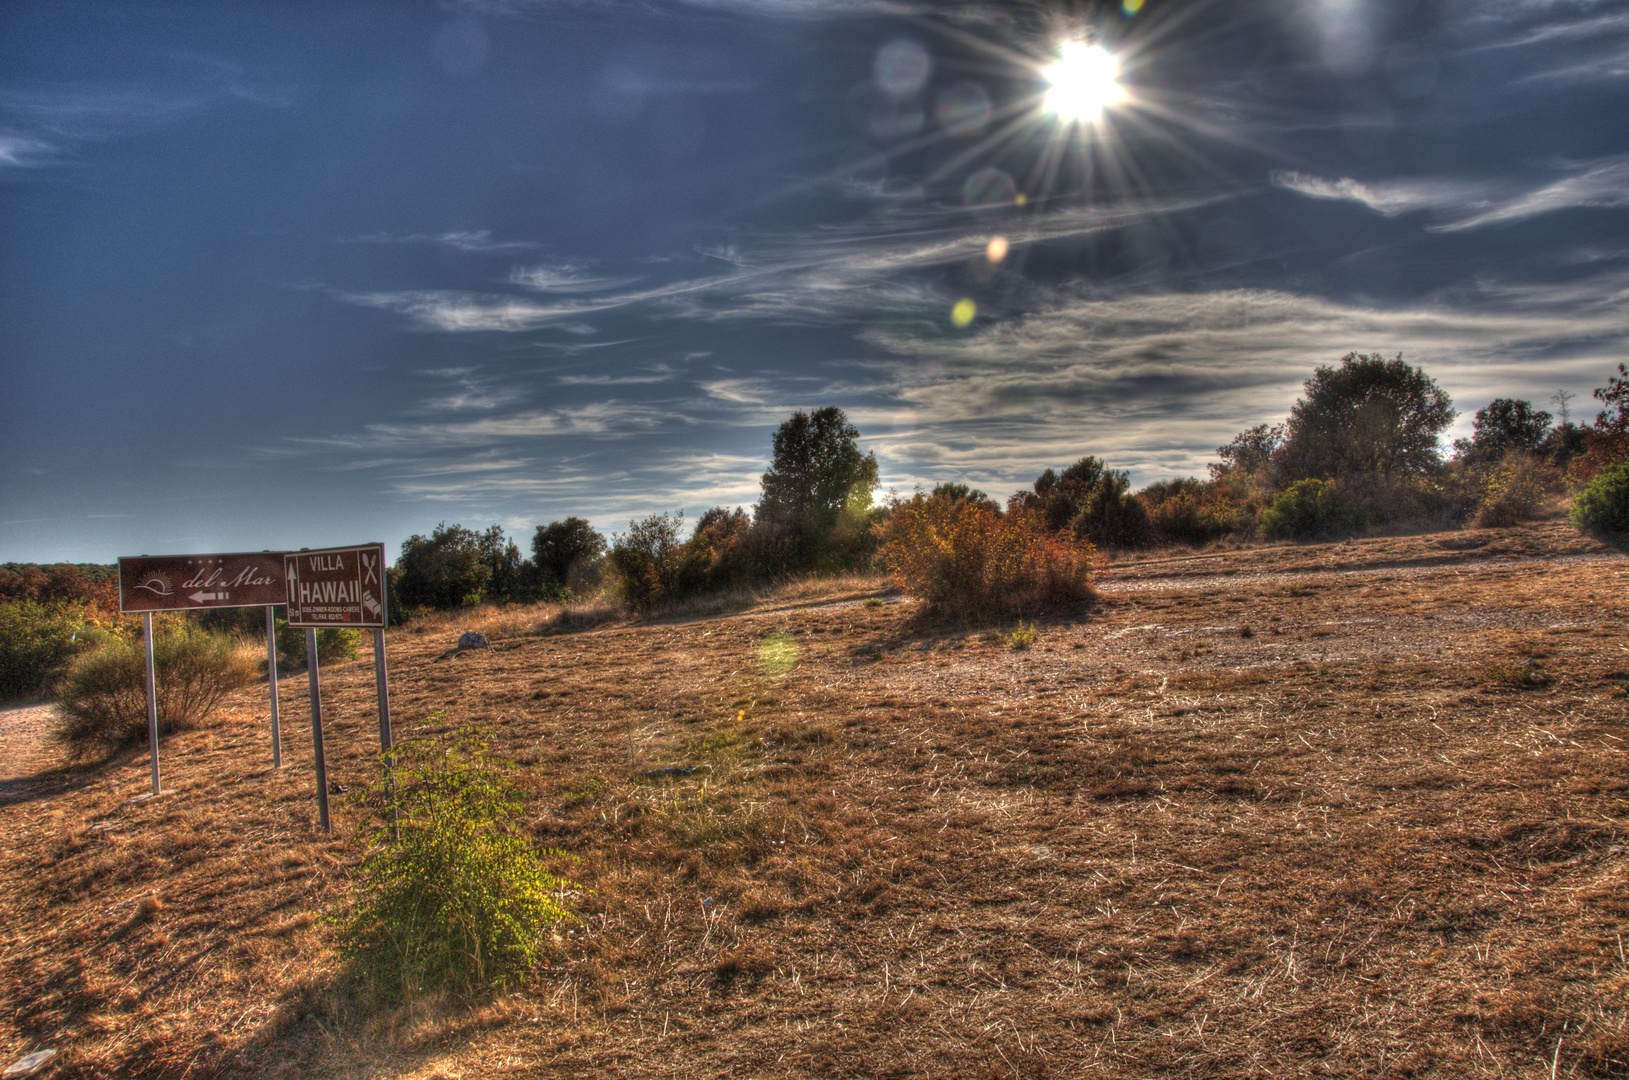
[
  {"x": 469, "y": 639},
  {"x": 29, "y": 1065}
]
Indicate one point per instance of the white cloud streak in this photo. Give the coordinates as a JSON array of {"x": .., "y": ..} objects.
[
  {"x": 1605, "y": 184},
  {"x": 1472, "y": 204},
  {"x": 20, "y": 151},
  {"x": 479, "y": 240},
  {"x": 801, "y": 280}
]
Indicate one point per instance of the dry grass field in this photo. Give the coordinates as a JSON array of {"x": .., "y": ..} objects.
[{"x": 1355, "y": 810}]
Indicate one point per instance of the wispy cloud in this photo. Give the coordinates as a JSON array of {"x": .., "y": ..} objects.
[
  {"x": 1567, "y": 41},
  {"x": 565, "y": 278},
  {"x": 20, "y": 150},
  {"x": 41, "y": 123},
  {"x": 597, "y": 419},
  {"x": 479, "y": 240},
  {"x": 1471, "y": 204},
  {"x": 475, "y": 392},
  {"x": 818, "y": 278},
  {"x": 1388, "y": 197},
  {"x": 1154, "y": 383},
  {"x": 1603, "y": 184}
]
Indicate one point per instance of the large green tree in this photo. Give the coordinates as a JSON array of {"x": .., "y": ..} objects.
[
  {"x": 817, "y": 492},
  {"x": 567, "y": 554},
  {"x": 444, "y": 569},
  {"x": 1367, "y": 423}
]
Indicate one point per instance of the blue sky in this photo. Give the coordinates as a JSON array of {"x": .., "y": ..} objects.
[{"x": 282, "y": 275}]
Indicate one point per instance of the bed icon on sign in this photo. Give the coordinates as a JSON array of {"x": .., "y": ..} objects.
[{"x": 371, "y": 605}]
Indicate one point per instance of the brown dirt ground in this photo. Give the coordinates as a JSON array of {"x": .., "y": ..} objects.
[{"x": 1333, "y": 810}]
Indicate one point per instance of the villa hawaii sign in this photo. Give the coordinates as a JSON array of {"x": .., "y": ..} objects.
[{"x": 336, "y": 587}]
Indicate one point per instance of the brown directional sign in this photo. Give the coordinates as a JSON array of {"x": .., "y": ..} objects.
[
  {"x": 336, "y": 586},
  {"x": 199, "y": 582}
]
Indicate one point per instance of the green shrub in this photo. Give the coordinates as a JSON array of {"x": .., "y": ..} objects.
[
  {"x": 1306, "y": 508},
  {"x": 1021, "y": 638},
  {"x": 334, "y": 643},
  {"x": 1603, "y": 506},
  {"x": 461, "y": 900},
  {"x": 36, "y": 643},
  {"x": 103, "y": 700}
]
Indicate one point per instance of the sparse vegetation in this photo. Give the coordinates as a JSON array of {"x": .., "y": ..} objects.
[
  {"x": 462, "y": 901},
  {"x": 103, "y": 699},
  {"x": 1021, "y": 637}
]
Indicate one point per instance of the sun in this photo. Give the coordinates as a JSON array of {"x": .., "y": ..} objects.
[{"x": 1085, "y": 80}]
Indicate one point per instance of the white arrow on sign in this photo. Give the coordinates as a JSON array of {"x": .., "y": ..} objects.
[{"x": 200, "y": 597}]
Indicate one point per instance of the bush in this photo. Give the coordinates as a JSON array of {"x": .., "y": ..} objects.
[
  {"x": 1603, "y": 506},
  {"x": 961, "y": 555},
  {"x": 36, "y": 643},
  {"x": 334, "y": 643},
  {"x": 461, "y": 900},
  {"x": 1306, "y": 508},
  {"x": 1515, "y": 489},
  {"x": 103, "y": 700},
  {"x": 1190, "y": 512}
]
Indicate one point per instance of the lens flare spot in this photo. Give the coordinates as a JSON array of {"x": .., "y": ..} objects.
[
  {"x": 902, "y": 67},
  {"x": 778, "y": 654},
  {"x": 1085, "y": 81},
  {"x": 996, "y": 250},
  {"x": 961, "y": 316},
  {"x": 1020, "y": 199},
  {"x": 1131, "y": 7},
  {"x": 988, "y": 190},
  {"x": 963, "y": 109}
]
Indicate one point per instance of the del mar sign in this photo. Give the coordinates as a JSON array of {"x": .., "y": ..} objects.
[
  {"x": 197, "y": 582},
  {"x": 336, "y": 586}
]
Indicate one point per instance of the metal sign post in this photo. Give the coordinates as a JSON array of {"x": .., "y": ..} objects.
[
  {"x": 152, "y": 695},
  {"x": 342, "y": 587},
  {"x": 271, "y": 678},
  {"x": 385, "y": 741},
  {"x": 316, "y": 728}
]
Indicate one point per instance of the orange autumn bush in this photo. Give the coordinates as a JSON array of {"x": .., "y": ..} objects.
[{"x": 963, "y": 555}]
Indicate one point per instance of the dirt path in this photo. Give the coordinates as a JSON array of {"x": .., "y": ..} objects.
[{"x": 26, "y": 749}]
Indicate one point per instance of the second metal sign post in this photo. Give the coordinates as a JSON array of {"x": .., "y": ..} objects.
[{"x": 338, "y": 587}]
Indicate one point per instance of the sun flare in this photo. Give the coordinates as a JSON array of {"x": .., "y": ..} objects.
[{"x": 1085, "y": 80}]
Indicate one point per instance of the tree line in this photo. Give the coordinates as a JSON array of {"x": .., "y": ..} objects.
[{"x": 1361, "y": 446}]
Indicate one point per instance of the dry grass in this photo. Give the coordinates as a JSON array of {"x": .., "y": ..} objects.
[{"x": 822, "y": 838}]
